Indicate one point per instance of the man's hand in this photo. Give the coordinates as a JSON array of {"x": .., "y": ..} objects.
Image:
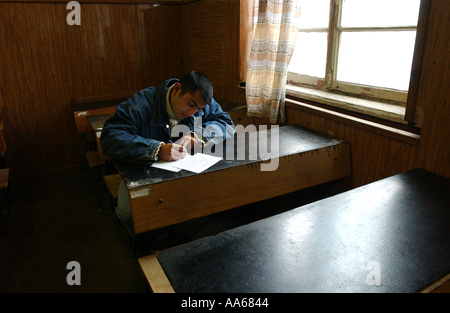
[
  {"x": 171, "y": 152},
  {"x": 188, "y": 141}
]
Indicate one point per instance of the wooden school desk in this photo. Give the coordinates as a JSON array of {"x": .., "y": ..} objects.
[
  {"x": 160, "y": 198},
  {"x": 84, "y": 107},
  {"x": 389, "y": 236},
  {"x": 96, "y": 105},
  {"x": 97, "y": 122}
]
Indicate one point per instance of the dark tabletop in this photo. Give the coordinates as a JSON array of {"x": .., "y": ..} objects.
[
  {"x": 97, "y": 121},
  {"x": 293, "y": 139},
  {"x": 401, "y": 223}
]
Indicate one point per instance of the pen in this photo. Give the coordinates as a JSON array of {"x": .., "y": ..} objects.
[{"x": 181, "y": 149}]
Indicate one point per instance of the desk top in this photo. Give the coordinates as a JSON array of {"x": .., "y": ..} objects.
[
  {"x": 97, "y": 121},
  {"x": 401, "y": 223},
  {"x": 293, "y": 139}
]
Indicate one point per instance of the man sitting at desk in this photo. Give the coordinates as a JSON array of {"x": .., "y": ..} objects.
[{"x": 141, "y": 128}]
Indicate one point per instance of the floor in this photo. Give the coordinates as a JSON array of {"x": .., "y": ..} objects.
[{"x": 55, "y": 221}]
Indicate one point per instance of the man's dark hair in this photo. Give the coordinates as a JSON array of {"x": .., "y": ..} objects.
[{"x": 193, "y": 81}]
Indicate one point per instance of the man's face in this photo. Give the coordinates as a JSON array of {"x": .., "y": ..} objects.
[{"x": 187, "y": 104}]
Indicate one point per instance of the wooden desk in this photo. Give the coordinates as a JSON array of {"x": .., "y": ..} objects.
[
  {"x": 97, "y": 122},
  {"x": 401, "y": 223},
  {"x": 96, "y": 105},
  {"x": 84, "y": 107},
  {"x": 160, "y": 198}
]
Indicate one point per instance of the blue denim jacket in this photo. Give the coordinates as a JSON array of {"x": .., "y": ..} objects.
[{"x": 141, "y": 123}]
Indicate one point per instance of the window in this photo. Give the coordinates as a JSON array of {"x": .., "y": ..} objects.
[{"x": 362, "y": 48}]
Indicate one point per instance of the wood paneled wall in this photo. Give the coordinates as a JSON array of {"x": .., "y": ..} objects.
[
  {"x": 434, "y": 92},
  {"x": 211, "y": 43},
  {"x": 374, "y": 156},
  {"x": 160, "y": 40},
  {"x": 45, "y": 63},
  {"x": 126, "y": 47}
]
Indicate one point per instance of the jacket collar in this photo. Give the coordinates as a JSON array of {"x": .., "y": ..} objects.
[{"x": 160, "y": 115}]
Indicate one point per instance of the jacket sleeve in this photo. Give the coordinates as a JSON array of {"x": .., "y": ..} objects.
[
  {"x": 121, "y": 138},
  {"x": 217, "y": 125}
]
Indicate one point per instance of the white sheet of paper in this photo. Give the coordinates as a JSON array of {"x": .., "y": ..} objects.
[
  {"x": 198, "y": 162},
  {"x": 170, "y": 165}
]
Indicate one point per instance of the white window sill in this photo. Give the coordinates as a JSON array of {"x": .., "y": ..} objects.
[{"x": 391, "y": 112}]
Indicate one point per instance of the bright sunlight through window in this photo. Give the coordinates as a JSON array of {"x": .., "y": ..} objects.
[{"x": 368, "y": 44}]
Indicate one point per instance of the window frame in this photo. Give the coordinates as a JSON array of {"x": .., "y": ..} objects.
[{"x": 329, "y": 82}]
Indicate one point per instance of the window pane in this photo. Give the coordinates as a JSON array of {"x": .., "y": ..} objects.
[
  {"x": 380, "y": 13},
  {"x": 380, "y": 59},
  {"x": 315, "y": 13},
  {"x": 310, "y": 55}
]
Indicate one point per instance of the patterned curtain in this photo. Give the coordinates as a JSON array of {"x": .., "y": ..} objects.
[{"x": 275, "y": 25}]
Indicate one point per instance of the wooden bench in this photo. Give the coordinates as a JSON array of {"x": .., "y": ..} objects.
[
  {"x": 154, "y": 274},
  {"x": 390, "y": 236}
]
